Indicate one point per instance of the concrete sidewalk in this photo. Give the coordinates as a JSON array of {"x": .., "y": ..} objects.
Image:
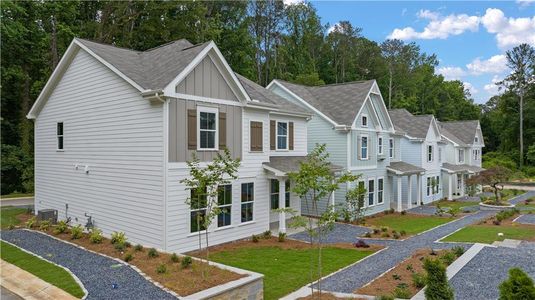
[
  {"x": 27, "y": 285},
  {"x": 23, "y": 201}
]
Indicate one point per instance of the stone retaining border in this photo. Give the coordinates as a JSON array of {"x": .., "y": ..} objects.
[{"x": 53, "y": 263}]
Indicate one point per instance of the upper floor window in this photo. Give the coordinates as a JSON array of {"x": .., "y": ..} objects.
[
  {"x": 380, "y": 145},
  {"x": 282, "y": 136},
  {"x": 476, "y": 139},
  {"x": 59, "y": 134},
  {"x": 391, "y": 148},
  {"x": 224, "y": 202},
  {"x": 247, "y": 201},
  {"x": 364, "y": 121},
  {"x": 429, "y": 153},
  {"x": 476, "y": 154},
  {"x": 461, "y": 155},
  {"x": 207, "y": 124},
  {"x": 364, "y": 147}
]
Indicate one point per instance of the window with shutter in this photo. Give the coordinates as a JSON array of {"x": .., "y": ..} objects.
[
  {"x": 291, "y": 135},
  {"x": 272, "y": 134},
  {"x": 256, "y": 139},
  {"x": 192, "y": 129},
  {"x": 222, "y": 130}
]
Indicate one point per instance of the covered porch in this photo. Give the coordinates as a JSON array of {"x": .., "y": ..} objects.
[
  {"x": 398, "y": 171},
  {"x": 455, "y": 178}
]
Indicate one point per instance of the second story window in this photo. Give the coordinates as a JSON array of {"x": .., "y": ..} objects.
[
  {"x": 364, "y": 121},
  {"x": 429, "y": 153},
  {"x": 282, "y": 136},
  {"x": 207, "y": 135},
  {"x": 59, "y": 134},
  {"x": 380, "y": 145},
  {"x": 476, "y": 139},
  {"x": 461, "y": 155},
  {"x": 476, "y": 154},
  {"x": 364, "y": 147},
  {"x": 391, "y": 148}
]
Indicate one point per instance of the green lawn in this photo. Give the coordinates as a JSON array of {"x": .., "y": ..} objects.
[
  {"x": 455, "y": 204},
  {"x": 412, "y": 224},
  {"x": 8, "y": 215},
  {"x": 286, "y": 270},
  {"x": 489, "y": 233},
  {"x": 42, "y": 269},
  {"x": 16, "y": 195}
]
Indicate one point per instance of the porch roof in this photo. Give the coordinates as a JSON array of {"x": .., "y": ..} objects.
[
  {"x": 464, "y": 168},
  {"x": 282, "y": 165},
  {"x": 403, "y": 168}
]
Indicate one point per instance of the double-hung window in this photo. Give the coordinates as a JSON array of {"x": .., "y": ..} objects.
[
  {"x": 428, "y": 186},
  {"x": 247, "y": 201},
  {"x": 437, "y": 182},
  {"x": 287, "y": 193},
  {"x": 59, "y": 134},
  {"x": 461, "y": 155},
  {"x": 364, "y": 121},
  {"x": 224, "y": 201},
  {"x": 380, "y": 145},
  {"x": 198, "y": 210},
  {"x": 282, "y": 136},
  {"x": 274, "y": 194},
  {"x": 459, "y": 182},
  {"x": 429, "y": 153},
  {"x": 391, "y": 148},
  {"x": 476, "y": 154},
  {"x": 364, "y": 147},
  {"x": 207, "y": 124},
  {"x": 380, "y": 189},
  {"x": 371, "y": 191}
]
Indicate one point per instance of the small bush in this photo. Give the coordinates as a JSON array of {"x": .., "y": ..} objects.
[
  {"x": 267, "y": 234},
  {"x": 418, "y": 280},
  {"x": 438, "y": 287},
  {"x": 128, "y": 257},
  {"x": 368, "y": 235},
  {"x": 396, "y": 235},
  {"x": 385, "y": 234},
  {"x": 458, "y": 250},
  {"x": 384, "y": 229},
  {"x": 95, "y": 236},
  {"x": 186, "y": 262},
  {"x": 402, "y": 293},
  {"x": 174, "y": 258},
  {"x": 31, "y": 222},
  {"x": 392, "y": 210},
  {"x": 138, "y": 247},
  {"x": 119, "y": 246},
  {"x": 376, "y": 230},
  {"x": 77, "y": 232},
  {"x": 448, "y": 258},
  {"x": 518, "y": 286},
  {"x": 496, "y": 222},
  {"x": 361, "y": 244},
  {"x": 255, "y": 238},
  {"x": 61, "y": 227},
  {"x": 410, "y": 268},
  {"x": 396, "y": 277},
  {"x": 454, "y": 211},
  {"x": 403, "y": 233},
  {"x": 44, "y": 225},
  {"x": 403, "y": 212},
  {"x": 152, "y": 253},
  {"x": 118, "y": 238},
  {"x": 161, "y": 269},
  {"x": 282, "y": 237},
  {"x": 11, "y": 226}
]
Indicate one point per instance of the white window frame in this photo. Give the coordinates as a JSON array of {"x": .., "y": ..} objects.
[
  {"x": 287, "y": 193},
  {"x": 225, "y": 206},
  {"x": 380, "y": 192},
  {"x": 391, "y": 147},
  {"x": 372, "y": 193},
  {"x": 362, "y": 118},
  {"x": 476, "y": 154},
  {"x": 216, "y": 138},
  {"x": 430, "y": 153},
  {"x": 460, "y": 157},
  {"x": 439, "y": 154},
  {"x": 380, "y": 145},
  {"x": 277, "y": 135},
  {"x": 205, "y": 208},
  {"x": 367, "y": 147},
  {"x": 428, "y": 186},
  {"x": 58, "y": 136},
  {"x": 476, "y": 140},
  {"x": 242, "y": 203},
  {"x": 271, "y": 193},
  {"x": 459, "y": 182}
]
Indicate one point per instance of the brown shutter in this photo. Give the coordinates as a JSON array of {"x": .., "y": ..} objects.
[
  {"x": 291, "y": 135},
  {"x": 256, "y": 136},
  {"x": 359, "y": 142},
  {"x": 272, "y": 134},
  {"x": 192, "y": 129},
  {"x": 222, "y": 130}
]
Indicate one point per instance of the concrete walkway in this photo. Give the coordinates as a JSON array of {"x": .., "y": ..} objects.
[
  {"x": 29, "y": 286},
  {"x": 23, "y": 201},
  {"x": 520, "y": 198},
  {"x": 359, "y": 274}
]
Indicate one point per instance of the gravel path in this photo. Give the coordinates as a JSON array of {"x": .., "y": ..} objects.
[
  {"x": 354, "y": 277},
  {"x": 526, "y": 219},
  {"x": 480, "y": 277},
  {"x": 97, "y": 273},
  {"x": 521, "y": 198},
  {"x": 342, "y": 233}
]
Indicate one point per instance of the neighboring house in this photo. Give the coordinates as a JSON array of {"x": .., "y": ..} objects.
[
  {"x": 463, "y": 145},
  {"x": 114, "y": 128},
  {"x": 353, "y": 122},
  {"x": 421, "y": 146}
]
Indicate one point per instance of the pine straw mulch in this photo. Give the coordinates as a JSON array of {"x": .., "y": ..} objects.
[{"x": 183, "y": 281}]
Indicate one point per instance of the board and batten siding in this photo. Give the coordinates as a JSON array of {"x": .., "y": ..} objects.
[
  {"x": 178, "y": 130},
  {"x": 110, "y": 128}
]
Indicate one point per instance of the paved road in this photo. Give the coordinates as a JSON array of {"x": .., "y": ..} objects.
[{"x": 16, "y": 202}]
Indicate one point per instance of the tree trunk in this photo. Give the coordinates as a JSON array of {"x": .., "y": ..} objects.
[{"x": 521, "y": 110}]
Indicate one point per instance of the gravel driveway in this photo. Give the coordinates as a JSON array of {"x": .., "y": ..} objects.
[{"x": 98, "y": 273}]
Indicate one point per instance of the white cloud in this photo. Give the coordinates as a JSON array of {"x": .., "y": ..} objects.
[
  {"x": 492, "y": 88},
  {"x": 525, "y": 3},
  {"x": 331, "y": 29},
  {"x": 468, "y": 86},
  {"x": 494, "y": 65},
  {"x": 451, "y": 73},
  {"x": 439, "y": 27},
  {"x": 509, "y": 31},
  {"x": 291, "y": 2}
]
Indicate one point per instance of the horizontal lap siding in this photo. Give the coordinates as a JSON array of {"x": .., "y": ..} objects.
[
  {"x": 300, "y": 136},
  {"x": 111, "y": 128}
]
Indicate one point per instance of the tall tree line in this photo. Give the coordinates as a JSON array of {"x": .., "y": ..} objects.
[{"x": 261, "y": 40}]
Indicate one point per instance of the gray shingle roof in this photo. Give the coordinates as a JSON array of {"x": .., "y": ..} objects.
[
  {"x": 339, "y": 102},
  {"x": 445, "y": 132},
  {"x": 465, "y": 131},
  {"x": 288, "y": 164},
  {"x": 414, "y": 126},
  {"x": 403, "y": 168},
  {"x": 464, "y": 168}
]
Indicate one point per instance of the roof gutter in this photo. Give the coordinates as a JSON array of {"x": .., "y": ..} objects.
[{"x": 345, "y": 128}]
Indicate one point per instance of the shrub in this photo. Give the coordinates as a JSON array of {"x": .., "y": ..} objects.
[
  {"x": 161, "y": 269},
  {"x": 368, "y": 235},
  {"x": 119, "y": 246},
  {"x": 385, "y": 235},
  {"x": 376, "y": 230},
  {"x": 396, "y": 235},
  {"x": 282, "y": 237},
  {"x": 186, "y": 262},
  {"x": 118, "y": 238},
  {"x": 418, "y": 280},
  {"x": 45, "y": 225},
  {"x": 410, "y": 268},
  {"x": 403, "y": 233},
  {"x": 267, "y": 234},
  {"x": 384, "y": 229},
  {"x": 95, "y": 236},
  {"x": 402, "y": 292},
  {"x": 448, "y": 258},
  {"x": 396, "y": 277},
  {"x": 152, "y": 253},
  {"x": 361, "y": 244},
  {"x": 438, "y": 287},
  {"x": 138, "y": 247},
  {"x": 128, "y": 257},
  {"x": 61, "y": 227},
  {"x": 76, "y": 232},
  {"x": 403, "y": 212},
  {"x": 255, "y": 238},
  {"x": 454, "y": 211},
  {"x": 518, "y": 286},
  {"x": 496, "y": 222},
  {"x": 174, "y": 258},
  {"x": 31, "y": 222},
  {"x": 458, "y": 250},
  {"x": 391, "y": 210},
  {"x": 11, "y": 226}
]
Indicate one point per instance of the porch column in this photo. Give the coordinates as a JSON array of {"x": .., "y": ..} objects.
[
  {"x": 400, "y": 208},
  {"x": 450, "y": 186},
  {"x": 282, "y": 204},
  {"x": 332, "y": 200},
  {"x": 419, "y": 189},
  {"x": 410, "y": 192},
  {"x": 462, "y": 185}
]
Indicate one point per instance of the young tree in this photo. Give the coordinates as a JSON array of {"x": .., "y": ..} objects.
[
  {"x": 521, "y": 61},
  {"x": 203, "y": 185},
  {"x": 355, "y": 205},
  {"x": 315, "y": 181},
  {"x": 518, "y": 286},
  {"x": 438, "y": 287},
  {"x": 494, "y": 177}
]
